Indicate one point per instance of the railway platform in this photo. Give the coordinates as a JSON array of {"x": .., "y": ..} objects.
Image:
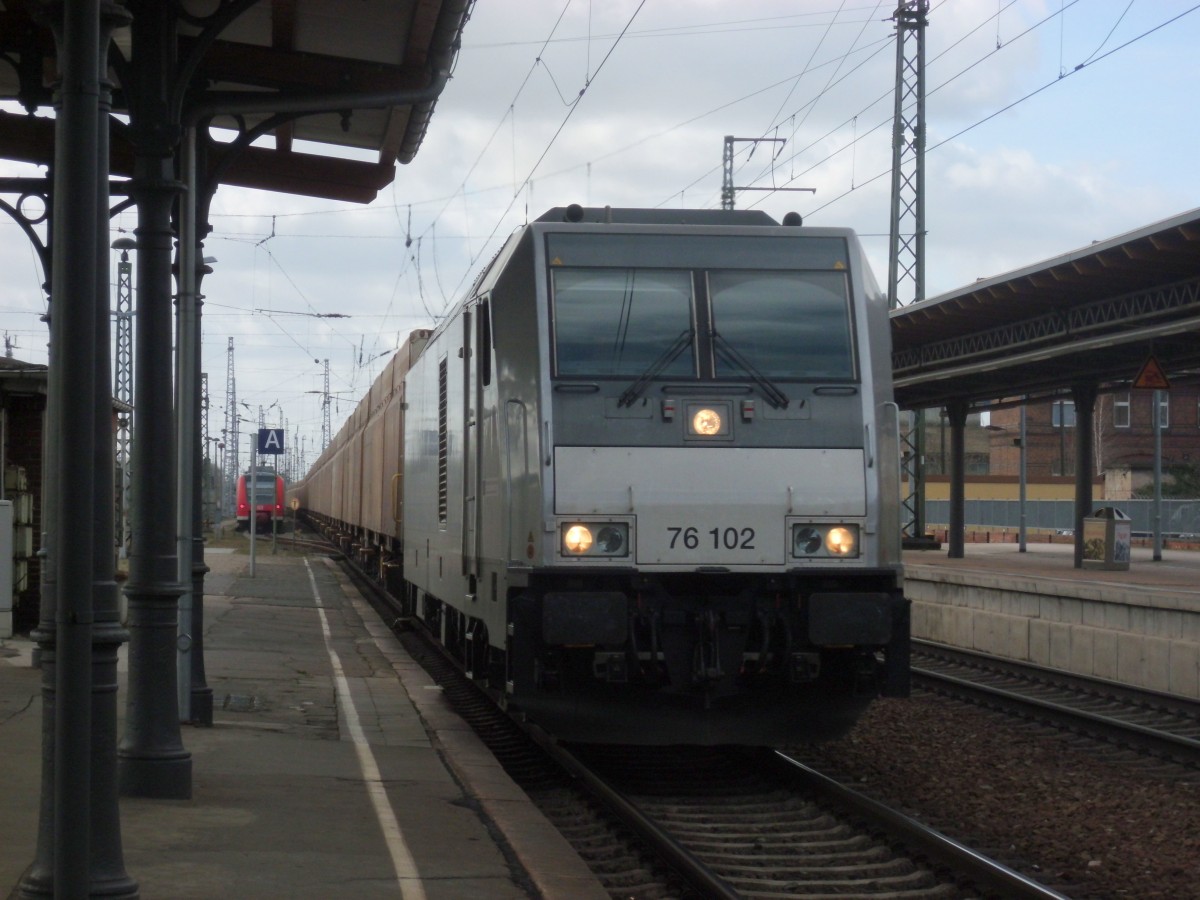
[
  {"x": 334, "y": 767},
  {"x": 1138, "y": 626}
]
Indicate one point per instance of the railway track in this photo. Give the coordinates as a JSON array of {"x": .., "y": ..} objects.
[
  {"x": 763, "y": 825},
  {"x": 1166, "y": 727},
  {"x": 709, "y": 823}
]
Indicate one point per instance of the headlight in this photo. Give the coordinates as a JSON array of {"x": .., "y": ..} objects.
[
  {"x": 706, "y": 422},
  {"x": 594, "y": 539},
  {"x": 824, "y": 541},
  {"x": 577, "y": 539},
  {"x": 841, "y": 541}
]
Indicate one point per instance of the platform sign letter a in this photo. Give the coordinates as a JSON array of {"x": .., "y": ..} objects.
[{"x": 270, "y": 440}]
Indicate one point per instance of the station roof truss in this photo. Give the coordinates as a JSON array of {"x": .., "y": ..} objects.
[
  {"x": 296, "y": 74},
  {"x": 1095, "y": 315}
]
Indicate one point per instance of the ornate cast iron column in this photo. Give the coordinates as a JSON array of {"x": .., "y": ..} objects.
[
  {"x": 79, "y": 836},
  {"x": 152, "y": 761}
]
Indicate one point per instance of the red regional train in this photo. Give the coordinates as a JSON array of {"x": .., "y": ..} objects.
[{"x": 268, "y": 500}]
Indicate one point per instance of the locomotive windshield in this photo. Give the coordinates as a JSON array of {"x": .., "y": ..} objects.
[
  {"x": 625, "y": 322},
  {"x": 792, "y": 324},
  {"x": 620, "y": 321}
]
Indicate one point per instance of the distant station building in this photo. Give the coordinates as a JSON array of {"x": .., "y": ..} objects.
[
  {"x": 23, "y": 389},
  {"x": 1124, "y": 439},
  {"x": 22, "y": 425}
]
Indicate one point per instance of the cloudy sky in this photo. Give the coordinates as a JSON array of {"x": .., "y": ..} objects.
[{"x": 1051, "y": 124}]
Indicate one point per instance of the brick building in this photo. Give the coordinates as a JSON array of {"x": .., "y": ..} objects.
[{"x": 1124, "y": 438}]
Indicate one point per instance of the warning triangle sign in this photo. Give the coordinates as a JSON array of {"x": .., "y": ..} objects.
[{"x": 1151, "y": 376}]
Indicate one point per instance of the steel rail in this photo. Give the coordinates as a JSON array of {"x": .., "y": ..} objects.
[
  {"x": 678, "y": 858},
  {"x": 1167, "y": 740},
  {"x": 984, "y": 873}
]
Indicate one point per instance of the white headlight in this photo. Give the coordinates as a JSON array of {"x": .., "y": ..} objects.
[
  {"x": 577, "y": 539},
  {"x": 706, "y": 422},
  {"x": 595, "y": 539},
  {"x": 820, "y": 541},
  {"x": 841, "y": 541}
]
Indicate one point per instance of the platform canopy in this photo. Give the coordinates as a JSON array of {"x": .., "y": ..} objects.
[
  {"x": 1098, "y": 314},
  {"x": 357, "y": 81}
]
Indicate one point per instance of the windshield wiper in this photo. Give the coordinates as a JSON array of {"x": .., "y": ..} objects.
[
  {"x": 665, "y": 358},
  {"x": 726, "y": 351}
]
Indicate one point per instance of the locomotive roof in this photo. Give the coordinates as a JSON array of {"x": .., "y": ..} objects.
[{"x": 607, "y": 215}]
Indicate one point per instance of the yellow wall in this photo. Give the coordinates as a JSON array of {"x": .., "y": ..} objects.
[{"x": 1001, "y": 488}]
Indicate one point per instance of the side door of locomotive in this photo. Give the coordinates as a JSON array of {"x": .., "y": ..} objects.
[{"x": 476, "y": 353}]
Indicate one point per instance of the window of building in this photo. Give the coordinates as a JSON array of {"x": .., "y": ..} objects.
[
  {"x": 1121, "y": 410},
  {"x": 1063, "y": 414}
]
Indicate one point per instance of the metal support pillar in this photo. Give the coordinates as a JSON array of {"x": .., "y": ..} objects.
[
  {"x": 956, "y": 412},
  {"x": 201, "y": 700},
  {"x": 1085, "y": 417},
  {"x": 195, "y": 697},
  {"x": 1024, "y": 482},
  {"x": 186, "y": 416},
  {"x": 152, "y": 760},
  {"x": 79, "y": 837},
  {"x": 1157, "y": 419}
]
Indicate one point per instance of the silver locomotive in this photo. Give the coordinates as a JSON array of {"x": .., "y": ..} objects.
[{"x": 648, "y": 485}]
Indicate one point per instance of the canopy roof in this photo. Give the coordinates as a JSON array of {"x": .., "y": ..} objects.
[{"x": 359, "y": 78}]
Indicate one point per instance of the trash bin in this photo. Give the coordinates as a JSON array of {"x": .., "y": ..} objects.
[{"x": 1106, "y": 537}]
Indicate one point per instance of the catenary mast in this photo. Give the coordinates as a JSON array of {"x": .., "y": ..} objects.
[{"x": 231, "y": 432}]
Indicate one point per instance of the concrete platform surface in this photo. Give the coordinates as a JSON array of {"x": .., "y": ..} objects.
[
  {"x": 1177, "y": 572},
  {"x": 334, "y": 767}
]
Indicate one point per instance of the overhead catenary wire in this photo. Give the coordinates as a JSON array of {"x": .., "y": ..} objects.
[
  {"x": 570, "y": 112},
  {"x": 960, "y": 73},
  {"x": 1023, "y": 98}
]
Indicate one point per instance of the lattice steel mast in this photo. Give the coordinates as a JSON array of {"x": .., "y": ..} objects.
[
  {"x": 123, "y": 388},
  {"x": 325, "y": 427},
  {"x": 206, "y": 474},
  {"x": 906, "y": 259},
  {"x": 231, "y": 432}
]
